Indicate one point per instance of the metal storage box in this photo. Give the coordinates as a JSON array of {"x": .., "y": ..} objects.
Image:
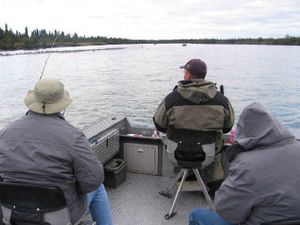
[
  {"x": 141, "y": 158},
  {"x": 107, "y": 146}
]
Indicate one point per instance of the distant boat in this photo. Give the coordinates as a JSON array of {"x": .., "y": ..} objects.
[{"x": 184, "y": 45}]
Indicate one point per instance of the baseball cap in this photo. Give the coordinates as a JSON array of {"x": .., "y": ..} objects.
[{"x": 196, "y": 67}]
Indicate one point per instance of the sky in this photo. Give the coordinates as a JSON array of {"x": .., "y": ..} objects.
[{"x": 156, "y": 19}]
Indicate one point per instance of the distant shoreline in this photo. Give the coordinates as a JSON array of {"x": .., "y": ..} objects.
[
  {"x": 42, "y": 39},
  {"x": 54, "y": 50},
  {"x": 275, "y": 42}
]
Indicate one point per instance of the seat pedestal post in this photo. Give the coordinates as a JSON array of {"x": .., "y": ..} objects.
[
  {"x": 183, "y": 173},
  {"x": 167, "y": 192},
  {"x": 204, "y": 189}
]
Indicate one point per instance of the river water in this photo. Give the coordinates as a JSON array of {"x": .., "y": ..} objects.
[{"x": 132, "y": 81}]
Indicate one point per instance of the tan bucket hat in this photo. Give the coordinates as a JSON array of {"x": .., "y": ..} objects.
[{"x": 48, "y": 97}]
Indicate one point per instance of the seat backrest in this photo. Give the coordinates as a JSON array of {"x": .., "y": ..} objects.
[
  {"x": 194, "y": 147},
  {"x": 189, "y": 153},
  {"x": 24, "y": 204},
  {"x": 287, "y": 222},
  {"x": 189, "y": 150}
]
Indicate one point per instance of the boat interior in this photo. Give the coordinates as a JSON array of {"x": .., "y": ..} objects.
[
  {"x": 138, "y": 177},
  {"x": 136, "y": 199}
]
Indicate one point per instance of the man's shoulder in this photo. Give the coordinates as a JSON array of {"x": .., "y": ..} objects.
[
  {"x": 14, "y": 123},
  {"x": 251, "y": 160},
  {"x": 221, "y": 100},
  {"x": 172, "y": 94},
  {"x": 67, "y": 127},
  {"x": 50, "y": 123},
  {"x": 172, "y": 98}
]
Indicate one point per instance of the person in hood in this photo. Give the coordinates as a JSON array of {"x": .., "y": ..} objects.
[
  {"x": 264, "y": 177},
  {"x": 42, "y": 148},
  {"x": 195, "y": 108}
]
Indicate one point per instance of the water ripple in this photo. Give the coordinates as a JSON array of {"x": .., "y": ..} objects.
[{"x": 133, "y": 81}]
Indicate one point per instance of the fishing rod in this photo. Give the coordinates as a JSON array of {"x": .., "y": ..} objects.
[{"x": 49, "y": 53}]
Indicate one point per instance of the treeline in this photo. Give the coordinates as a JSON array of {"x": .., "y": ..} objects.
[
  {"x": 12, "y": 40},
  {"x": 287, "y": 40}
]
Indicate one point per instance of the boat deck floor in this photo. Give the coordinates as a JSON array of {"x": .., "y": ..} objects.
[{"x": 137, "y": 202}]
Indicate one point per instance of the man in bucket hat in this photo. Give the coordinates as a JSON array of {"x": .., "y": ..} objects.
[
  {"x": 43, "y": 148},
  {"x": 196, "y": 109},
  {"x": 48, "y": 97}
]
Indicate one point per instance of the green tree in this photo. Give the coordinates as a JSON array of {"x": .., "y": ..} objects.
[{"x": 26, "y": 32}]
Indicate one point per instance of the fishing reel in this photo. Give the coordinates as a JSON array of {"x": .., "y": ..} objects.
[{"x": 222, "y": 89}]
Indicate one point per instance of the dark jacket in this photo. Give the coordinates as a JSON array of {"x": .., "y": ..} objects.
[
  {"x": 47, "y": 150},
  {"x": 264, "y": 177},
  {"x": 194, "y": 106}
]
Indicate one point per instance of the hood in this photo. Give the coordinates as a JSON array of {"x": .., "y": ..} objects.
[
  {"x": 197, "y": 90},
  {"x": 256, "y": 127}
]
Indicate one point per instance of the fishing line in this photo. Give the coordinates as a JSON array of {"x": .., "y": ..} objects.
[{"x": 45, "y": 64}]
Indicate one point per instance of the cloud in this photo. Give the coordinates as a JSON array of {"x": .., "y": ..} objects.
[{"x": 155, "y": 19}]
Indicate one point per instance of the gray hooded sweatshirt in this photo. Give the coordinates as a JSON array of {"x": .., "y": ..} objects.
[
  {"x": 47, "y": 150},
  {"x": 263, "y": 184}
]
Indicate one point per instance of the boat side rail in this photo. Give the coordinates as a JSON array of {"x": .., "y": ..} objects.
[
  {"x": 143, "y": 151},
  {"x": 285, "y": 222}
]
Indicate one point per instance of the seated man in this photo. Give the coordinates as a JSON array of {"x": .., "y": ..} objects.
[
  {"x": 196, "y": 108},
  {"x": 264, "y": 177},
  {"x": 43, "y": 148}
]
